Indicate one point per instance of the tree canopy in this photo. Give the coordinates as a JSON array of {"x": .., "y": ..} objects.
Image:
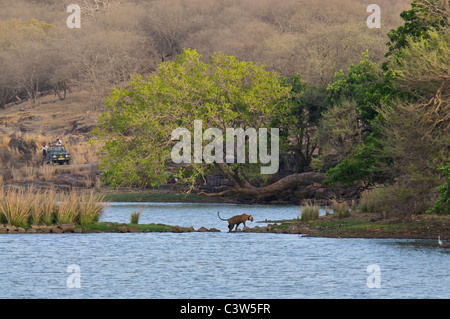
[{"x": 222, "y": 93}]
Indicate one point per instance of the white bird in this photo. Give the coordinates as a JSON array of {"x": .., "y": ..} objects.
[{"x": 439, "y": 241}]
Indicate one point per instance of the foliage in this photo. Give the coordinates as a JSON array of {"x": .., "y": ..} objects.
[
  {"x": 134, "y": 217},
  {"x": 223, "y": 93},
  {"x": 442, "y": 205},
  {"x": 363, "y": 84},
  {"x": 15, "y": 32},
  {"x": 423, "y": 16},
  {"x": 300, "y": 120}
]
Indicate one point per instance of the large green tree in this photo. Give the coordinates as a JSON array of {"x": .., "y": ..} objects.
[{"x": 223, "y": 93}]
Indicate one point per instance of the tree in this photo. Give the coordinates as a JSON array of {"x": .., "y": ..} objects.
[
  {"x": 223, "y": 93},
  {"x": 423, "y": 16},
  {"x": 350, "y": 129},
  {"x": 303, "y": 113}
]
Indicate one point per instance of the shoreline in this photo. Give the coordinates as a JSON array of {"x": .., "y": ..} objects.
[{"x": 357, "y": 225}]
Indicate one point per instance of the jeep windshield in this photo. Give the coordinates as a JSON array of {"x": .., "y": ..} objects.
[{"x": 57, "y": 149}]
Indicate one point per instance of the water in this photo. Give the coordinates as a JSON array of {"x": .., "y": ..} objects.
[{"x": 217, "y": 265}]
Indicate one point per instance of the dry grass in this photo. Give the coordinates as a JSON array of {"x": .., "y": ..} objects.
[
  {"x": 29, "y": 173},
  {"x": 4, "y": 140},
  {"x": 46, "y": 172},
  {"x": 309, "y": 212},
  {"x": 341, "y": 209},
  {"x": 16, "y": 174},
  {"x": 25, "y": 206}
]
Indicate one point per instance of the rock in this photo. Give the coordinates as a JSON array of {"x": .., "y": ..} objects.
[
  {"x": 11, "y": 228},
  {"x": 133, "y": 229},
  {"x": 21, "y": 230},
  {"x": 202, "y": 229},
  {"x": 321, "y": 193},
  {"x": 34, "y": 226},
  {"x": 67, "y": 228},
  {"x": 246, "y": 229},
  {"x": 78, "y": 230},
  {"x": 293, "y": 230},
  {"x": 215, "y": 230},
  {"x": 177, "y": 229},
  {"x": 31, "y": 231},
  {"x": 45, "y": 228},
  {"x": 56, "y": 230},
  {"x": 3, "y": 230},
  {"x": 122, "y": 229}
]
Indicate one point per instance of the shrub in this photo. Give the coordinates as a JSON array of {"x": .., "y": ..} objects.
[
  {"x": 342, "y": 209},
  {"x": 309, "y": 212},
  {"x": 134, "y": 217}
]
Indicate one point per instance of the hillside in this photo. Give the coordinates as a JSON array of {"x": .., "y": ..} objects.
[{"x": 26, "y": 126}]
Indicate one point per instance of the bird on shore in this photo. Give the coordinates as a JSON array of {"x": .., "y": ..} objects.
[{"x": 442, "y": 244}]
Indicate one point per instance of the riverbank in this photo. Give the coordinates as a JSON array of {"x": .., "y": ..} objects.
[
  {"x": 357, "y": 225},
  {"x": 99, "y": 227},
  {"x": 160, "y": 195},
  {"x": 367, "y": 225}
]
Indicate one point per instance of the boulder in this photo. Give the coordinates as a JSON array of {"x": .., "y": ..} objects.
[
  {"x": 67, "y": 228},
  {"x": 202, "y": 229},
  {"x": 133, "y": 229},
  {"x": 122, "y": 229},
  {"x": 56, "y": 230},
  {"x": 177, "y": 229},
  {"x": 31, "y": 231},
  {"x": 45, "y": 228},
  {"x": 21, "y": 230},
  {"x": 11, "y": 228}
]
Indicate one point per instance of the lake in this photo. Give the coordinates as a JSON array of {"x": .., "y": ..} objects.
[{"x": 217, "y": 265}]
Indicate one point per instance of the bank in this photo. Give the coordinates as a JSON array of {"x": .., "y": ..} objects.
[
  {"x": 99, "y": 227},
  {"x": 366, "y": 225}
]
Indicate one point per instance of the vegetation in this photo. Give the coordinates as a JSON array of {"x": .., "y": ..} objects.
[
  {"x": 350, "y": 109},
  {"x": 23, "y": 207},
  {"x": 134, "y": 217},
  {"x": 309, "y": 212}
]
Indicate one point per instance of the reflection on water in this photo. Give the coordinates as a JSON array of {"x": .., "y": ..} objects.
[{"x": 216, "y": 265}]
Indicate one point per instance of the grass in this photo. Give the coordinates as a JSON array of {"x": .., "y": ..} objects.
[
  {"x": 134, "y": 217},
  {"x": 342, "y": 210},
  {"x": 25, "y": 206},
  {"x": 309, "y": 212}
]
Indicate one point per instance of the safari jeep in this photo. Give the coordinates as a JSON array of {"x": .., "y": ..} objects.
[{"x": 57, "y": 154}]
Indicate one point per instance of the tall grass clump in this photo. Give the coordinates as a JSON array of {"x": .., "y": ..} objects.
[
  {"x": 309, "y": 212},
  {"x": 134, "y": 217},
  {"x": 341, "y": 209},
  {"x": 68, "y": 208},
  {"x": 49, "y": 206},
  {"x": 90, "y": 208},
  {"x": 22, "y": 207},
  {"x": 16, "y": 207}
]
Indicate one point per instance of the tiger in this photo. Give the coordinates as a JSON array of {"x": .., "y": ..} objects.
[{"x": 236, "y": 220}]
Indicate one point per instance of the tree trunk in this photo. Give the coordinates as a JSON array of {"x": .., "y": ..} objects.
[{"x": 243, "y": 187}]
